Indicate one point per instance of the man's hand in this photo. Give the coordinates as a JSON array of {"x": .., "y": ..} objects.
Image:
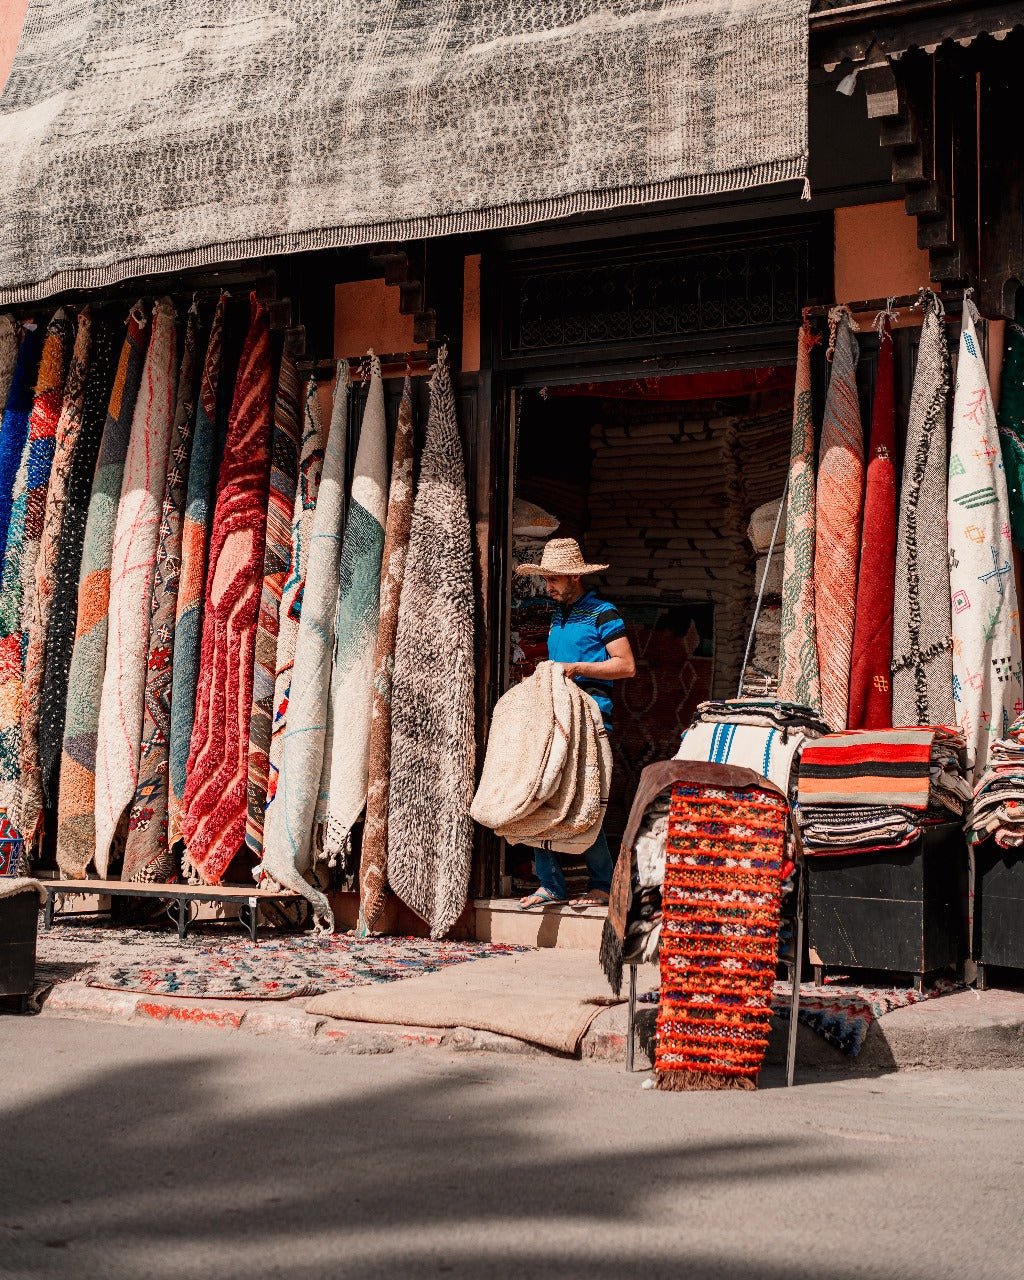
[{"x": 572, "y": 669}]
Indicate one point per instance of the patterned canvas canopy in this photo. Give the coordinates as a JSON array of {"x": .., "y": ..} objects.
[{"x": 154, "y": 137}]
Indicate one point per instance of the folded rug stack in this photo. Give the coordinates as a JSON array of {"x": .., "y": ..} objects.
[
  {"x": 548, "y": 766},
  {"x": 874, "y": 788},
  {"x": 999, "y": 794}
]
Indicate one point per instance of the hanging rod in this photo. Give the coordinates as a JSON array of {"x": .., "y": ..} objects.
[
  {"x": 951, "y": 301},
  {"x": 326, "y": 368}
]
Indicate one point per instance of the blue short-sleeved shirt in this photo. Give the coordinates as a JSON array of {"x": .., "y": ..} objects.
[{"x": 582, "y": 633}]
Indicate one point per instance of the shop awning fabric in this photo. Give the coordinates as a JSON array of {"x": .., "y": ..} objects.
[{"x": 154, "y": 136}]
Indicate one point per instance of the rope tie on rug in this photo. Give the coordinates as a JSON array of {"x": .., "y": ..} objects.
[{"x": 834, "y": 317}]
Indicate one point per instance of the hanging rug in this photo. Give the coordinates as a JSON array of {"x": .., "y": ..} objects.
[{"x": 272, "y": 969}]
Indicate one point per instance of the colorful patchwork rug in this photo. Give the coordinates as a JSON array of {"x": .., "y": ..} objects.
[
  {"x": 215, "y": 789},
  {"x": 276, "y": 968},
  {"x": 987, "y": 686},
  {"x": 284, "y": 469},
  {"x": 14, "y": 429},
  {"x": 307, "y": 489},
  {"x": 721, "y": 903},
  {"x": 195, "y": 535},
  {"x": 870, "y": 677},
  {"x": 355, "y": 646},
  {"x": 46, "y": 563},
  {"x": 922, "y": 659},
  {"x": 840, "y": 499},
  {"x": 147, "y": 854},
  {"x": 27, "y": 510},
  {"x": 76, "y": 820},
  {"x": 60, "y": 635},
  {"x": 798, "y": 649},
  {"x": 843, "y": 1015},
  {"x": 287, "y": 849},
  {"x": 132, "y": 571},
  {"x": 373, "y": 859}
]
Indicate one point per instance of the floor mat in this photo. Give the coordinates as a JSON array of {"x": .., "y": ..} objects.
[
  {"x": 547, "y": 997},
  {"x": 842, "y": 1015},
  {"x": 273, "y": 969}
]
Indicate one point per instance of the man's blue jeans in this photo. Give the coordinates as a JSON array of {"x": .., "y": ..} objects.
[{"x": 547, "y": 867}]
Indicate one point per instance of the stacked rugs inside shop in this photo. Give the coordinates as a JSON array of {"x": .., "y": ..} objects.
[{"x": 195, "y": 592}]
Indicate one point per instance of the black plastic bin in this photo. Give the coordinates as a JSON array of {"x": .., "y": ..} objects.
[
  {"x": 901, "y": 911},
  {"x": 19, "y": 920}
]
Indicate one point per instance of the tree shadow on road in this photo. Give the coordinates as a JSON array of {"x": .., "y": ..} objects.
[{"x": 162, "y": 1170}]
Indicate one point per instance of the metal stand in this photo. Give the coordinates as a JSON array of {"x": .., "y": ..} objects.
[
  {"x": 794, "y": 1000},
  {"x": 631, "y": 1021},
  {"x": 760, "y": 590}
]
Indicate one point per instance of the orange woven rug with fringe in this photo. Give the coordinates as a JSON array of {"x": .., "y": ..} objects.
[{"x": 720, "y": 906}]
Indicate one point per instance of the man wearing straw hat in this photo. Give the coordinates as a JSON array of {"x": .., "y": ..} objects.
[{"x": 588, "y": 637}]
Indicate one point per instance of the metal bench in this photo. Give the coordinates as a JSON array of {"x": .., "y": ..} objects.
[{"x": 179, "y": 896}]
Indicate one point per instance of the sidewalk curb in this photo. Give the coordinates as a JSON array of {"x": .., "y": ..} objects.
[{"x": 965, "y": 1031}]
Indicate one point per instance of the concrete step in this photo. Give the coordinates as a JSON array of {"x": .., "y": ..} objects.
[{"x": 502, "y": 920}]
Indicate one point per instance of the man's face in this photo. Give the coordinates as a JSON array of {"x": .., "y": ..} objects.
[{"x": 563, "y": 589}]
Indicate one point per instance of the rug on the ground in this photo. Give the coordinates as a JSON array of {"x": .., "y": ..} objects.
[
  {"x": 547, "y": 997},
  {"x": 842, "y": 1015},
  {"x": 275, "y": 968}
]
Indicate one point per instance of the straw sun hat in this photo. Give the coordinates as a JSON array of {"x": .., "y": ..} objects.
[{"x": 561, "y": 557}]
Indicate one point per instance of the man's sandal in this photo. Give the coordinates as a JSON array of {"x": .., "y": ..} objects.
[
  {"x": 593, "y": 898},
  {"x": 540, "y": 899}
]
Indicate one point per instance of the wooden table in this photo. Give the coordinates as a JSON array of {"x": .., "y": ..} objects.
[{"x": 180, "y": 896}]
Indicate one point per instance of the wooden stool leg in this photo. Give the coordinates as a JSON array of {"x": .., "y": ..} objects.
[{"x": 631, "y": 1019}]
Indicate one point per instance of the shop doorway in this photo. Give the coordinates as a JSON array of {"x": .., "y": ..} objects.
[{"x": 658, "y": 478}]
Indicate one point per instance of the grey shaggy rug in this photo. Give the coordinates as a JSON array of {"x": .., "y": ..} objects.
[
  {"x": 433, "y": 738},
  {"x": 164, "y": 136}
]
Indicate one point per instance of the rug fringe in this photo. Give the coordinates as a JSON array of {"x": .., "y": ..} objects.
[
  {"x": 610, "y": 956},
  {"x": 691, "y": 1081}
]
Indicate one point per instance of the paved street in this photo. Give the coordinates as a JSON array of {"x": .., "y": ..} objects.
[{"x": 134, "y": 1152}]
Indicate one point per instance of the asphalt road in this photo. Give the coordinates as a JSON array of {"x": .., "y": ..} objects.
[{"x": 136, "y": 1152}]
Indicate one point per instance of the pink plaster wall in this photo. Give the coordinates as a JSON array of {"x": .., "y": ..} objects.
[
  {"x": 12, "y": 19},
  {"x": 876, "y": 253}
]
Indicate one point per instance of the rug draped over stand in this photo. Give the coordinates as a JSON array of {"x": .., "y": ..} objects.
[
  {"x": 838, "y": 515},
  {"x": 76, "y": 823},
  {"x": 9, "y": 344},
  {"x": 373, "y": 862},
  {"x": 284, "y": 468},
  {"x": 433, "y": 738},
  {"x": 132, "y": 569},
  {"x": 60, "y": 636},
  {"x": 311, "y": 464},
  {"x": 65, "y": 442},
  {"x": 147, "y": 854},
  {"x": 215, "y": 791},
  {"x": 721, "y": 904},
  {"x": 14, "y": 431},
  {"x": 985, "y": 622},
  {"x": 922, "y": 660},
  {"x": 26, "y": 528},
  {"x": 798, "y": 650},
  {"x": 870, "y": 677},
  {"x": 1011, "y": 421},
  {"x": 288, "y": 835},
  {"x": 355, "y": 645},
  {"x": 195, "y": 537}
]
